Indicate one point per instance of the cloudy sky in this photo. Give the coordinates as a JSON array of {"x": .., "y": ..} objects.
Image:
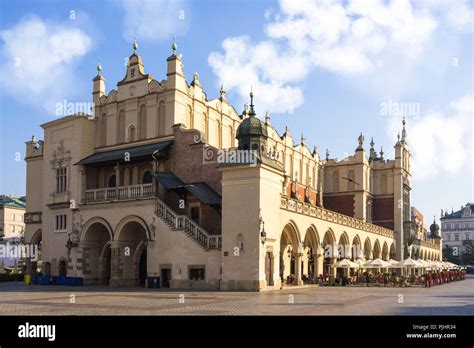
[{"x": 330, "y": 69}]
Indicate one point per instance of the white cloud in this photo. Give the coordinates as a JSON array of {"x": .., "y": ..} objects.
[
  {"x": 441, "y": 141},
  {"x": 38, "y": 60},
  {"x": 351, "y": 39},
  {"x": 154, "y": 20}
]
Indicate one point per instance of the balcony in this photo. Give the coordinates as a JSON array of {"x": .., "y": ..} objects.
[{"x": 121, "y": 193}]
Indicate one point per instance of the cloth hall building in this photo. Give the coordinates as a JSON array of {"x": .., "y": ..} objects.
[{"x": 138, "y": 193}]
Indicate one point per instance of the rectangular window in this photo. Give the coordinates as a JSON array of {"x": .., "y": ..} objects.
[
  {"x": 456, "y": 237},
  {"x": 12, "y": 217},
  {"x": 60, "y": 223},
  {"x": 468, "y": 236},
  {"x": 196, "y": 273},
  {"x": 61, "y": 180},
  {"x": 12, "y": 228}
]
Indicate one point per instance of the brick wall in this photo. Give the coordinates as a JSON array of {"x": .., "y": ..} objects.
[
  {"x": 382, "y": 212},
  {"x": 343, "y": 204}
]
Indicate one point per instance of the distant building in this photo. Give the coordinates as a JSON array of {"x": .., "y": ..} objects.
[
  {"x": 12, "y": 225},
  {"x": 12, "y": 211},
  {"x": 458, "y": 229}
]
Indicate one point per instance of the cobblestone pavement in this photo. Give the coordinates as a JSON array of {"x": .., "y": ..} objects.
[{"x": 450, "y": 299}]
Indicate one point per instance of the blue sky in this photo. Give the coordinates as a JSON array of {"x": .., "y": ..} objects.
[{"x": 323, "y": 68}]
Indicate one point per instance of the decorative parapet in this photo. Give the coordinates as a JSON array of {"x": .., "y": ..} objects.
[
  {"x": 331, "y": 216},
  {"x": 33, "y": 218},
  {"x": 427, "y": 244}
]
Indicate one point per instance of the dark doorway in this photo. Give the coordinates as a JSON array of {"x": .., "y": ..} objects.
[
  {"x": 165, "y": 277},
  {"x": 142, "y": 270},
  {"x": 62, "y": 268}
]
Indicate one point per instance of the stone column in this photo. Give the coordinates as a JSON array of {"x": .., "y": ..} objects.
[
  {"x": 333, "y": 270},
  {"x": 319, "y": 264},
  {"x": 116, "y": 272},
  {"x": 298, "y": 280}
]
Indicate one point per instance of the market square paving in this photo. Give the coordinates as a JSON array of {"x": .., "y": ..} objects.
[{"x": 449, "y": 299}]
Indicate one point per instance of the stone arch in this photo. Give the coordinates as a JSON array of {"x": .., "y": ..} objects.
[
  {"x": 131, "y": 218},
  {"x": 311, "y": 250},
  {"x": 356, "y": 249},
  {"x": 385, "y": 254},
  {"x": 62, "y": 266},
  {"x": 96, "y": 220},
  {"x": 344, "y": 246},
  {"x": 393, "y": 251},
  {"x": 147, "y": 177},
  {"x": 368, "y": 249},
  {"x": 131, "y": 232},
  {"x": 131, "y": 133},
  {"x": 142, "y": 122},
  {"x": 121, "y": 127},
  {"x": 95, "y": 236},
  {"x": 290, "y": 245},
  {"x": 37, "y": 237},
  {"x": 377, "y": 250},
  {"x": 422, "y": 255},
  {"x": 111, "y": 180},
  {"x": 330, "y": 251},
  {"x": 161, "y": 122}
]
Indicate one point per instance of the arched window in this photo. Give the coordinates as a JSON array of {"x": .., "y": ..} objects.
[
  {"x": 240, "y": 241},
  {"x": 142, "y": 123},
  {"x": 103, "y": 128},
  {"x": 121, "y": 127},
  {"x": 147, "y": 178},
  {"x": 62, "y": 269},
  {"x": 132, "y": 134},
  {"x": 335, "y": 181},
  {"x": 350, "y": 182},
  {"x": 161, "y": 119},
  {"x": 47, "y": 268},
  {"x": 126, "y": 177},
  {"x": 112, "y": 182}
]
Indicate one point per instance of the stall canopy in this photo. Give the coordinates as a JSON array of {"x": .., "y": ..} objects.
[
  {"x": 200, "y": 190},
  {"x": 127, "y": 154}
]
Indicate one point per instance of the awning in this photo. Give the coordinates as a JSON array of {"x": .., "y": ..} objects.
[
  {"x": 201, "y": 190},
  {"x": 168, "y": 180},
  {"x": 135, "y": 153},
  {"x": 204, "y": 193}
]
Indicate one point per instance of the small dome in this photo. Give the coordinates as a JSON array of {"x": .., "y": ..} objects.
[
  {"x": 252, "y": 126},
  {"x": 434, "y": 229}
]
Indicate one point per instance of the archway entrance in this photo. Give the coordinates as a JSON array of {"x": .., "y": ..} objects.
[
  {"x": 330, "y": 253},
  {"x": 132, "y": 256},
  {"x": 35, "y": 266},
  {"x": 96, "y": 251},
  {"x": 290, "y": 256}
]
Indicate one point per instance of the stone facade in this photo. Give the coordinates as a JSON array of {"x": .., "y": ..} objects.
[{"x": 137, "y": 193}]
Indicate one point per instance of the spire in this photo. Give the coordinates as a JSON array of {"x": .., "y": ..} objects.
[
  {"x": 302, "y": 139},
  {"x": 135, "y": 45},
  {"x": 398, "y": 139},
  {"x": 315, "y": 150},
  {"x": 252, "y": 110},
  {"x": 381, "y": 153},
  {"x": 174, "y": 47},
  {"x": 361, "y": 140},
  {"x": 327, "y": 154},
  {"x": 404, "y": 132},
  {"x": 222, "y": 92},
  {"x": 267, "y": 118},
  {"x": 99, "y": 68},
  {"x": 373, "y": 154}
]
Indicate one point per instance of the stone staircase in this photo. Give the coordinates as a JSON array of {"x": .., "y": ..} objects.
[{"x": 189, "y": 227}]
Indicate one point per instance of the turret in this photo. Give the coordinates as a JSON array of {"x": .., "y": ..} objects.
[{"x": 98, "y": 86}]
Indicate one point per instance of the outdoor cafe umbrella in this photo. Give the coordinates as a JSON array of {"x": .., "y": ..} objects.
[
  {"x": 346, "y": 264},
  {"x": 392, "y": 262},
  {"x": 377, "y": 263},
  {"x": 407, "y": 263},
  {"x": 452, "y": 265}
]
